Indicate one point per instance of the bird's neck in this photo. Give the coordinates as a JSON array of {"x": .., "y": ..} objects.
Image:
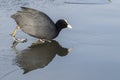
[{"x": 58, "y": 29}]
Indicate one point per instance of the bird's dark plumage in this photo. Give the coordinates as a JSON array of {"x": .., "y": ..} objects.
[{"x": 38, "y": 24}]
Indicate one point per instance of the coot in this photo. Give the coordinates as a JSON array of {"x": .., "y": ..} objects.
[{"x": 37, "y": 24}]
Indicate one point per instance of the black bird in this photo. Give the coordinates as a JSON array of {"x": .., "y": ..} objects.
[{"x": 37, "y": 24}]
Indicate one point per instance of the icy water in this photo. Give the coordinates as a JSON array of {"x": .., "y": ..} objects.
[{"x": 89, "y": 51}]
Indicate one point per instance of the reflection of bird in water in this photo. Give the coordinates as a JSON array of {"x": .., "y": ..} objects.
[{"x": 39, "y": 56}]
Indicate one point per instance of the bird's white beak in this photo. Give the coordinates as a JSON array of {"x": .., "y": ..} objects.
[{"x": 69, "y": 26}]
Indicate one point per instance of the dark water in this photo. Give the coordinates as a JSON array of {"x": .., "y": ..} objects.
[{"x": 89, "y": 51}]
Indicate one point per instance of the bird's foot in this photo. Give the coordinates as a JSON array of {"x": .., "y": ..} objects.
[
  {"x": 43, "y": 40},
  {"x": 40, "y": 41},
  {"x": 19, "y": 40},
  {"x": 16, "y": 41},
  {"x": 47, "y": 40}
]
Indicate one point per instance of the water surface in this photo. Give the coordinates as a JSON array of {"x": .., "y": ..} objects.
[{"x": 94, "y": 43}]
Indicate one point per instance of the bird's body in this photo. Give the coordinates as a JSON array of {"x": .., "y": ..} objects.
[{"x": 35, "y": 23}]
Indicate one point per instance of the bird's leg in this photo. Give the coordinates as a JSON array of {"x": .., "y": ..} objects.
[
  {"x": 16, "y": 41},
  {"x": 40, "y": 41},
  {"x": 13, "y": 36},
  {"x": 15, "y": 31},
  {"x": 46, "y": 40}
]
